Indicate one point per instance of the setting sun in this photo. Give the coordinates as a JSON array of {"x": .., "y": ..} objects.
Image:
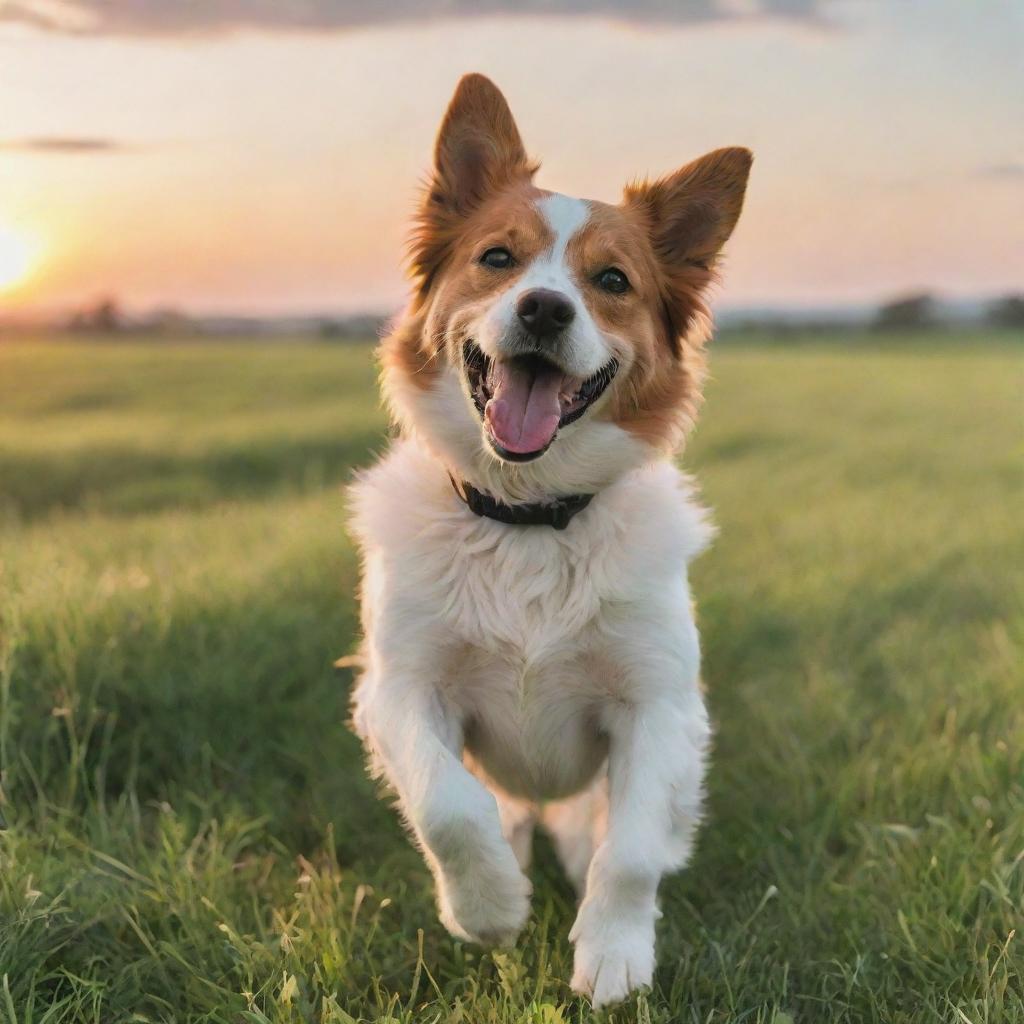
[{"x": 17, "y": 255}]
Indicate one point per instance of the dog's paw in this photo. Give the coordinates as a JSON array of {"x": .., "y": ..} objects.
[
  {"x": 612, "y": 961},
  {"x": 488, "y": 904}
]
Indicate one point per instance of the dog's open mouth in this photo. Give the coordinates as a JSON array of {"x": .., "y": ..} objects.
[{"x": 523, "y": 401}]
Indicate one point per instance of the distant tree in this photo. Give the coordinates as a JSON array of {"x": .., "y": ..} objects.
[
  {"x": 168, "y": 320},
  {"x": 907, "y": 313},
  {"x": 104, "y": 316},
  {"x": 1006, "y": 312}
]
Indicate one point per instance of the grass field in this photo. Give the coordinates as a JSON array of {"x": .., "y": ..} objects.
[{"x": 192, "y": 836}]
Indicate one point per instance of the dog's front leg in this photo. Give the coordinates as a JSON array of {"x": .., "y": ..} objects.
[
  {"x": 658, "y": 746},
  {"x": 416, "y": 742}
]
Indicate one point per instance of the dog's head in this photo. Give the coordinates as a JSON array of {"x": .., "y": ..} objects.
[{"x": 553, "y": 342}]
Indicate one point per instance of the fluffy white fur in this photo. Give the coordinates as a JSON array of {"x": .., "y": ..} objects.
[{"x": 517, "y": 674}]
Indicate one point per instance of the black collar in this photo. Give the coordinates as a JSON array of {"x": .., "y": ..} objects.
[{"x": 555, "y": 513}]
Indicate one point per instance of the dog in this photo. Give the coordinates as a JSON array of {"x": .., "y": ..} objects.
[{"x": 530, "y": 654}]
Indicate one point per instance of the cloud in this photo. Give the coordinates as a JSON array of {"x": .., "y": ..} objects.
[
  {"x": 61, "y": 144},
  {"x": 174, "y": 17},
  {"x": 1010, "y": 170}
]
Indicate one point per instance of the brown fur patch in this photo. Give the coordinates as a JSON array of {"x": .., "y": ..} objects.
[
  {"x": 407, "y": 350},
  {"x": 658, "y": 398},
  {"x": 478, "y": 154},
  {"x": 685, "y": 219},
  {"x": 510, "y": 220}
]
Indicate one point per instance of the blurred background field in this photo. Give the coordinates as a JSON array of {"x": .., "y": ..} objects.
[{"x": 192, "y": 836}]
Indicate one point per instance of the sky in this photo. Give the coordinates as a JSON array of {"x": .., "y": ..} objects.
[{"x": 264, "y": 156}]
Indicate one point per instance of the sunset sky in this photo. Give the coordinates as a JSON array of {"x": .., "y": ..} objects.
[{"x": 263, "y": 157}]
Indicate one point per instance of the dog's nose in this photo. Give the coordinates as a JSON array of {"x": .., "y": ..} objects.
[{"x": 544, "y": 313}]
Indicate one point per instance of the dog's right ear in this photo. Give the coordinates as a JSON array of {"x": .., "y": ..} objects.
[
  {"x": 478, "y": 146},
  {"x": 478, "y": 152}
]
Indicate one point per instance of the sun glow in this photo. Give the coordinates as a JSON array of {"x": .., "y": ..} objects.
[{"x": 17, "y": 258}]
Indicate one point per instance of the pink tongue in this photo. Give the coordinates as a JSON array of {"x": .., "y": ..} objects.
[{"x": 524, "y": 410}]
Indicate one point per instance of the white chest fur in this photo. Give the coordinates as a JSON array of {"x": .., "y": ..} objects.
[{"x": 527, "y": 631}]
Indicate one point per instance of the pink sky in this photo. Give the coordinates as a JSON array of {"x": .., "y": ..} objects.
[{"x": 264, "y": 158}]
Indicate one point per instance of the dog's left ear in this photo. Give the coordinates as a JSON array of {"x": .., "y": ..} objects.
[
  {"x": 478, "y": 152},
  {"x": 691, "y": 214}
]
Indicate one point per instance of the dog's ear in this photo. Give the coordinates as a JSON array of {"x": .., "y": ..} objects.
[
  {"x": 478, "y": 152},
  {"x": 478, "y": 146},
  {"x": 691, "y": 214}
]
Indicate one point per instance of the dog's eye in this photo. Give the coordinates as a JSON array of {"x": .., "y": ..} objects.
[
  {"x": 612, "y": 280},
  {"x": 497, "y": 259}
]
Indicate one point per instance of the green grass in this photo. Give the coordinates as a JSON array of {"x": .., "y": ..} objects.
[{"x": 193, "y": 837}]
